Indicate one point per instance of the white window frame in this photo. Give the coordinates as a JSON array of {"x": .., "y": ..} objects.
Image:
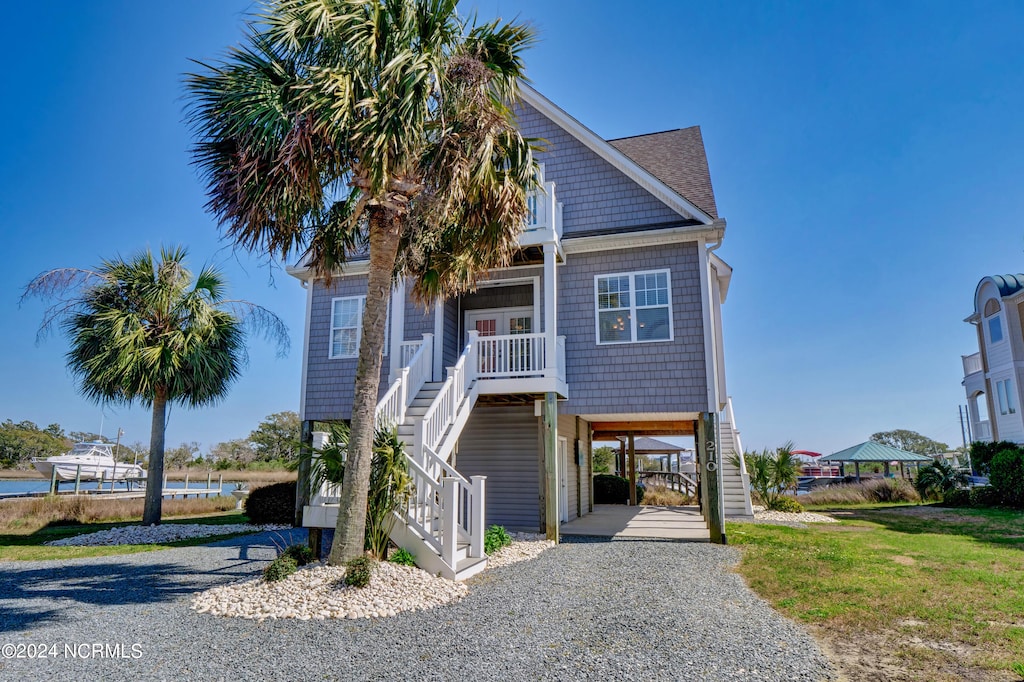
[
  {"x": 632, "y": 308},
  {"x": 998, "y": 319},
  {"x": 1004, "y": 392},
  {"x": 359, "y": 328}
]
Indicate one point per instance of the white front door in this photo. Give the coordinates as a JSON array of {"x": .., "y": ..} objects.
[{"x": 563, "y": 479}]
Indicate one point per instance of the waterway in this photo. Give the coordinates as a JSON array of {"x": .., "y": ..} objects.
[{"x": 40, "y": 485}]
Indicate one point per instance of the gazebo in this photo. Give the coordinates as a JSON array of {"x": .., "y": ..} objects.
[{"x": 874, "y": 452}]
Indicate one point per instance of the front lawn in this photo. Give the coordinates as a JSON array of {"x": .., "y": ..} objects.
[{"x": 906, "y": 593}]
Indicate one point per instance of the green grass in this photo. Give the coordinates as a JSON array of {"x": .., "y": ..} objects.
[
  {"x": 28, "y": 546},
  {"x": 940, "y": 590}
]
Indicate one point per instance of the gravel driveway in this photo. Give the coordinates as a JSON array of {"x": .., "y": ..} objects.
[{"x": 585, "y": 610}]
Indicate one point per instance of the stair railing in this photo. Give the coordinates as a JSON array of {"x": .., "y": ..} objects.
[
  {"x": 392, "y": 407},
  {"x": 444, "y": 409}
]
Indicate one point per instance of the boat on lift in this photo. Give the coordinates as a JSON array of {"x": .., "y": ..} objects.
[{"x": 91, "y": 461}]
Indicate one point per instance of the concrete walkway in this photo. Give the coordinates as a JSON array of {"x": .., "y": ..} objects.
[{"x": 622, "y": 521}]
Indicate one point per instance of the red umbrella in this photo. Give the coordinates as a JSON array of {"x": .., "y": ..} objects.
[{"x": 806, "y": 452}]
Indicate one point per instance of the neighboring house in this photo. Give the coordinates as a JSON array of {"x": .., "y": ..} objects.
[
  {"x": 608, "y": 324},
  {"x": 993, "y": 375}
]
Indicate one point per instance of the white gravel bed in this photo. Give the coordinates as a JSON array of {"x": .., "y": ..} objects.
[
  {"x": 525, "y": 546},
  {"x": 762, "y": 514},
  {"x": 318, "y": 592},
  {"x": 168, "y": 532}
]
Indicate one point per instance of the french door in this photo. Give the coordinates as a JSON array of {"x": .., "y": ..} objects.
[{"x": 501, "y": 322}]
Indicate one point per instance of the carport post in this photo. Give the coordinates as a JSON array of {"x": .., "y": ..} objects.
[
  {"x": 710, "y": 483},
  {"x": 632, "y": 471},
  {"x": 552, "y": 486}
]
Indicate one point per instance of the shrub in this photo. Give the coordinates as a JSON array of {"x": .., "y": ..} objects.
[
  {"x": 982, "y": 454},
  {"x": 301, "y": 554},
  {"x": 281, "y": 567},
  {"x": 402, "y": 557},
  {"x": 495, "y": 538},
  {"x": 958, "y": 497},
  {"x": 358, "y": 571},
  {"x": 272, "y": 504},
  {"x": 640, "y": 492},
  {"x": 786, "y": 504},
  {"x": 985, "y": 496},
  {"x": 937, "y": 479},
  {"x": 1006, "y": 475},
  {"x": 611, "y": 489}
]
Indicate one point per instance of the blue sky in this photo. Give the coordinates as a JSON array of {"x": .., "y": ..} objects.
[{"x": 867, "y": 156}]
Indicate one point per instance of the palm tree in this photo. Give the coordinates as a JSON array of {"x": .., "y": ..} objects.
[
  {"x": 386, "y": 124},
  {"x": 146, "y": 330},
  {"x": 939, "y": 478}
]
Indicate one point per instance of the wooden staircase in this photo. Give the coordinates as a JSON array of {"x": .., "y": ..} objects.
[
  {"x": 735, "y": 482},
  {"x": 443, "y": 524}
]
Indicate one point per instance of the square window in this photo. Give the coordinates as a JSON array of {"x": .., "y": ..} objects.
[{"x": 644, "y": 316}]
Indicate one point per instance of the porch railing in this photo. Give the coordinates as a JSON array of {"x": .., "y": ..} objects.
[
  {"x": 972, "y": 364},
  {"x": 518, "y": 356}
]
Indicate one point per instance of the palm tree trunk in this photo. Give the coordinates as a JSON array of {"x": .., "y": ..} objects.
[
  {"x": 349, "y": 536},
  {"x": 155, "y": 476}
]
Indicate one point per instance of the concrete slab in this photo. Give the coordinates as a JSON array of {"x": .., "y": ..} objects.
[{"x": 622, "y": 521}]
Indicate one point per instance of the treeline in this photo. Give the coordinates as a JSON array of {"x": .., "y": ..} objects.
[{"x": 273, "y": 444}]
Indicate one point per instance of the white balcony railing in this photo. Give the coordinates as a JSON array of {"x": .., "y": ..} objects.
[
  {"x": 972, "y": 364},
  {"x": 983, "y": 431},
  {"x": 544, "y": 217}
]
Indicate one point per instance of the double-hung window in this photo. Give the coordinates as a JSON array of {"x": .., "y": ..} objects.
[
  {"x": 347, "y": 326},
  {"x": 1007, "y": 404},
  {"x": 633, "y": 307}
]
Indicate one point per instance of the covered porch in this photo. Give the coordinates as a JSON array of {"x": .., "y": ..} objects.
[{"x": 622, "y": 521}]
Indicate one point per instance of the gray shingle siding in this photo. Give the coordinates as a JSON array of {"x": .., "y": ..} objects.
[
  {"x": 665, "y": 376},
  {"x": 329, "y": 383},
  {"x": 452, "y": 347},
  {"x": 595, "y": 194},
  {"x": 418, "y": 320}
]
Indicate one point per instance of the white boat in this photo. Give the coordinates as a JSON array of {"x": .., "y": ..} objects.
[{"x": 88, "y": 462}]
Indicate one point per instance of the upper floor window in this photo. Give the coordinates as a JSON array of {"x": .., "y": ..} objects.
[
  {"x": 994, "y": 321},
  {"x": 633, "y": 307},
  {"x": 346, "y": 326},
  {"x": 1007, "y": 404}
]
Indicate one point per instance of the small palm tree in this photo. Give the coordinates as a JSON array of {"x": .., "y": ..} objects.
[
  {"x": 772, "y": 472},
  {"x": 144, "y": 329},
  {"x": 385, "y": 125},
  {"x": 939, "y": 478}
]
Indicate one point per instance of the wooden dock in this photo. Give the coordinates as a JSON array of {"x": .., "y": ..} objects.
[{"x": 111, "y": 493}]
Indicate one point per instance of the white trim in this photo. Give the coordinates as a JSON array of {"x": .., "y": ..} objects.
[
  {"x": 605, "y": 150},
  {"x": 709, "y": 342},
  {"x": 633, "y": 307},
  {"x": 305, "y": 351},
  {"x": 632, "y": 240},
  {"x": 359, "y": 328},
  {"x": 562, "y": 478},
  {"x": 724, "y": 272},
  {"x": 499, "y": 313},
  {"x": 438, "y": 364}
]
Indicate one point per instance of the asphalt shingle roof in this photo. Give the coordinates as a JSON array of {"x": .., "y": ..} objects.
[{"x": 677, "y": 158}]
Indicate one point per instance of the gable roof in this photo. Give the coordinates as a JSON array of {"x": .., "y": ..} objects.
[
  {"x": 874, "y": 452},
  {"x": 677, "y": 158},
  {"x": 636, "y": 172}
]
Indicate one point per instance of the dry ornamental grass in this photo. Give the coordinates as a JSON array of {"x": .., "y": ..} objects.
[{"x": 32, "y": 514}]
